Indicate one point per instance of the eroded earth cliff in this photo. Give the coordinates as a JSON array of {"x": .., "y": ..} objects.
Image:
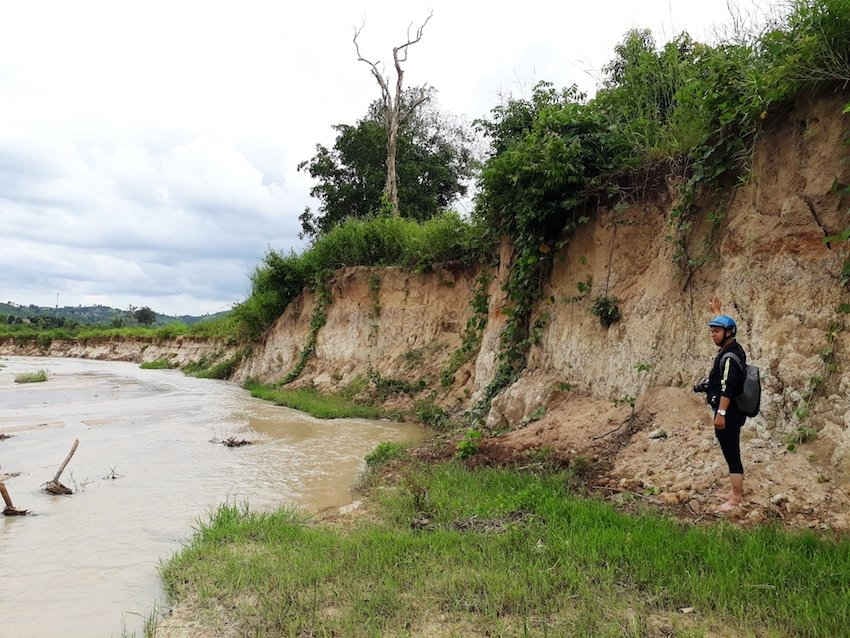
[
  {"x": 597, "y": 393},
  {"x": 618, "y": 399}
]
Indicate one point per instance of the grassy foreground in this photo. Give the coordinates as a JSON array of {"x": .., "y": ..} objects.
[
  {"x": 455, "y": 551},
  {"x": 319, "y": 405}
]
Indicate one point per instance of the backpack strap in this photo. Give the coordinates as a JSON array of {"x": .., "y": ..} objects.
[{"x": 736, "y": 359}]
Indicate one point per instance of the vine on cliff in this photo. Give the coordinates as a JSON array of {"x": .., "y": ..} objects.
[
  {"x": 317, "y": 321},
  {"x": 473, "y": 332}
]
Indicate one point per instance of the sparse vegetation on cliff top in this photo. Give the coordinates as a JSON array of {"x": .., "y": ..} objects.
[{"x": 380, "y": 241}]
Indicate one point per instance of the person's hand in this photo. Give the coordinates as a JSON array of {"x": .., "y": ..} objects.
[
  {"x": 714, "y": 305},
  {"x": 701, "y": 386},
  {"x": 719, "y": 422}
]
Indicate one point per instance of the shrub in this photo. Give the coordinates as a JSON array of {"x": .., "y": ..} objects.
[
  {"x": 803, "y": 434},
  {"x": 31, "y": 377},
  {"x": 386, "y": 386},
  {"x": 384, "y": 452},
  {"x": 470, "y": 444},
  {"x": 432, "y": 415},
  {"x": 607, "y": 310},
  {"x": 157, "y": 364}
]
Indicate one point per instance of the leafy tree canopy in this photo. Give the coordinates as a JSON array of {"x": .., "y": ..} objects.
[
  {"x": 434, "y": 158},
  {"x": 145, "y": 316}
]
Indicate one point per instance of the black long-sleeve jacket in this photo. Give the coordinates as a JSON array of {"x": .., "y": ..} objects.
[{"x": 727, "y": 378}]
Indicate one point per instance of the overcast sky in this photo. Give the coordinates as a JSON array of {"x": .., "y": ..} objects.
[{"x": 148, "y": 150}]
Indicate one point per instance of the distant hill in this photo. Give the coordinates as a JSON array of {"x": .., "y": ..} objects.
[{"x": 93, "y": 315}]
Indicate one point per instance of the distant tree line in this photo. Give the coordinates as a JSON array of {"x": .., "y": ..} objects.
[{"x": 143, "y": 316}]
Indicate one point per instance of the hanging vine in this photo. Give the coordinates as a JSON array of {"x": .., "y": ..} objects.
[{"x": 317, "y": 321}]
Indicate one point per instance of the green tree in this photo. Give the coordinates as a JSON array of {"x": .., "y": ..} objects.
[
  {"x": 433, "y": 160},
  {"x": 145, "y": 316}
]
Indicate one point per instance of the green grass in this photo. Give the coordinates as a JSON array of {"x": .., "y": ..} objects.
[
  {"x": 157, "y": 364},
  {"x": 31, "y": 377},
  {"x": 385, "y": 452},
  {"x": 212, "y": 368},
  {"x": 509, "y": 554},
  {"x": 321, "y": 406}
]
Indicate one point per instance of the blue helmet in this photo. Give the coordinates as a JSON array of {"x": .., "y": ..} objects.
[{"x": 724, "y": 321}]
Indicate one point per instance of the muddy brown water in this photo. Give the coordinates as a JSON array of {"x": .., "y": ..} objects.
[{"x": 86, "y": 564}]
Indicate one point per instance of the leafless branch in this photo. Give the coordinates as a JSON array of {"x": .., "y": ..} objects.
[
  {"x": 376, "y": 72},
  {"x": 403, "y": 47}
]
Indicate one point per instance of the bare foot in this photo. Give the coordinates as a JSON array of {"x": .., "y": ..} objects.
[{"x": 728, "y": 506}]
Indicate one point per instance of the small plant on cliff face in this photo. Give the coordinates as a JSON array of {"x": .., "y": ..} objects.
[
  {"x": 538, "y": 414},
  {"x": 607, "y": 309},
  {"x": 413, "y": 358},
  {"x": 387, "y": 386},
  {"x": 628, "y": 400},
  {"x": 802, "y": 434},
  {"x": 642, "y": 366},
  {"x": 357, "y": 385}
]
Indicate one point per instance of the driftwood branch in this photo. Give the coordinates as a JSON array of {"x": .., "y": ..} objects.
[
  {"x": 67, "y": 460},
  {"x": 54, "y": 486},
  {"x": 10, "y": 509}
]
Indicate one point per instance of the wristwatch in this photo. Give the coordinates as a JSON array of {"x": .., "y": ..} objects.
[{"x": 721, "y": 412}]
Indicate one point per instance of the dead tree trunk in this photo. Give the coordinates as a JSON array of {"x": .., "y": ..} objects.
[{"x": 395, "y": 113}]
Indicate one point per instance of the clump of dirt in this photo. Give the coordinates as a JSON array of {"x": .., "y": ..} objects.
[
  {"x": 233, "y": 441},
  {"x": 58, "y": 489}
]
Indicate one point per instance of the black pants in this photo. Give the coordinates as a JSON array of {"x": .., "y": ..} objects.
[{"x": 730, "y": 442}]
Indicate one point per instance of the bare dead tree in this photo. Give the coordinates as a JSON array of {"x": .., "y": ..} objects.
[{"x": 395, "y": 113}]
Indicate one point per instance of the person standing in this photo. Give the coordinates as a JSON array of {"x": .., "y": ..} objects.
[{"x": 724, "y": 383}]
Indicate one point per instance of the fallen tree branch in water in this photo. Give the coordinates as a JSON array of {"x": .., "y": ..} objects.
[
  {"x": 54, "y": 486},
  {"x": 10, "y": 509}
]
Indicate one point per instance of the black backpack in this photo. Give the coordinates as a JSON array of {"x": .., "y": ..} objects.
[{"x": 749, "y": 401}]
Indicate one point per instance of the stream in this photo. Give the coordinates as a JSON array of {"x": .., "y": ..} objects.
[{"x": 146, "y": 471}]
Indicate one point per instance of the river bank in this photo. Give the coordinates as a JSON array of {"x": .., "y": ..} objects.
[{"x": 446, "y": 549}]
